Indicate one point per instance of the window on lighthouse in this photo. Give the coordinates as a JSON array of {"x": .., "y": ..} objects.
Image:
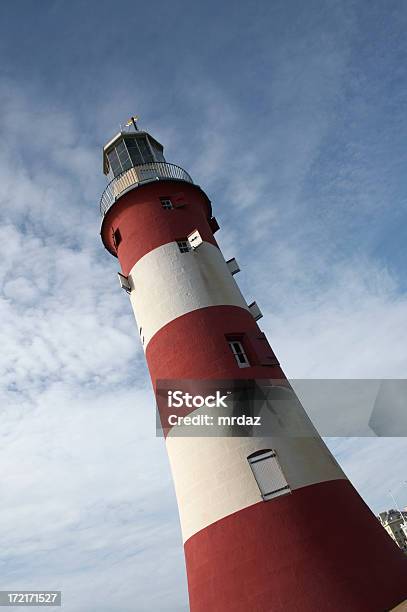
[
  {"x": 166, "y": 203},
  {"x": 119, "y": 159},
  {"x": 117, "y": 237},
  {"x": 268, "y": 474},
  {"x": 184, "y": 245},
  {"x": 239, "y": 353}
]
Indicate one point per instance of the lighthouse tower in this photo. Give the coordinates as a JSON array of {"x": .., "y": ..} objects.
[{"x": 269, "y": 524}]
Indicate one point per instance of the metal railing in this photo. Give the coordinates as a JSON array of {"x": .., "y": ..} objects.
[{"x": 139, "y": 174}]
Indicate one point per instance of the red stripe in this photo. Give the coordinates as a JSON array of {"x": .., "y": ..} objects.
[
  {"x": 194, "y": 346},
  {"x": 144, "y": 225},
  {"x": 317, "y": 549}
]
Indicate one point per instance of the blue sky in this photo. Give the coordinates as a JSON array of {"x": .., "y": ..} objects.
[{"x": 291, "y": 116}]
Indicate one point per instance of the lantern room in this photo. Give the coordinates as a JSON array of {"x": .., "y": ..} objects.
[{"x": 129, "y": 149}]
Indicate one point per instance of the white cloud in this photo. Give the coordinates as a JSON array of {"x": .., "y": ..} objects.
[
  {"x": 375, "y": 466},
  {"x": 88, "y": 506}
]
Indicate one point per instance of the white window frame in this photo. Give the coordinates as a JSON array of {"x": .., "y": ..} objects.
[
  {"x": 239, "y": 352},
  {"x": 184, "y": 245},
  {"x": 124, "y": 282},
  {"x": 268, "y": 474},
  {"x": 194, "y": 239},
  {"x": 166, "y": 203}
]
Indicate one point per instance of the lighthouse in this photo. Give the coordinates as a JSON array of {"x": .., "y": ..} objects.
[{"x": 270, "y": 523}]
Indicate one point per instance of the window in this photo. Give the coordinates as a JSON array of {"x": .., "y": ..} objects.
[
  {"x": 134, "y": 151},
  {"x": 139, "y": 150},
  {"x": 117, "y": 237},
  {"x": 184, "y": 245},
  {"x": 240, "y": 356},
  {"x": 195, "y": 239},
  {"x": 157, "y": 152},
  {"x": 123, "y": 154},
  {"x": 114, "y": 162},
  {"x": 166, "y": 203},
  {"x": 124, "y": 282},
  {"x": 213, "y": 224},
  {"x": 233, "y": 266},
  {"x": 119, "y": 159},
  {"x": 145, "y": 150},
  {"x": 268, "y": 474},
  {"x": 255, "y": 311}
]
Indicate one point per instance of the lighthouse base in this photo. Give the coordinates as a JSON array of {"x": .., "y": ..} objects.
[{"x": 319, "y": 548}]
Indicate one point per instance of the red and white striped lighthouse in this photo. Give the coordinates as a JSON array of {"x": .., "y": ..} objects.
[{"x": 270, "y": 524}]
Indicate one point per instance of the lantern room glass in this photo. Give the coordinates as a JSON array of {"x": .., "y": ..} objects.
[{"x": 133, "y": 150}]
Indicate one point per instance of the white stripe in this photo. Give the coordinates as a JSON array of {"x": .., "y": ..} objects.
[
  {"x": 213, "y": 478},
  {"x": 168, "y": 284}
]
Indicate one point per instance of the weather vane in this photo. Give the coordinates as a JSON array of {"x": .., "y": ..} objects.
[{"x": 133, "y": 121}]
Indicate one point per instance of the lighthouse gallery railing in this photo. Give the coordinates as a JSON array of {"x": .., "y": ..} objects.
[{"x": 139, "y": 174}]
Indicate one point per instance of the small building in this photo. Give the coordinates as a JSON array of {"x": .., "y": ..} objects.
[{"x": 395, "y": 523}]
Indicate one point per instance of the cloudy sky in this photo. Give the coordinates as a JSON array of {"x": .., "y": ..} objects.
[{"x": 291, "y": 116}]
